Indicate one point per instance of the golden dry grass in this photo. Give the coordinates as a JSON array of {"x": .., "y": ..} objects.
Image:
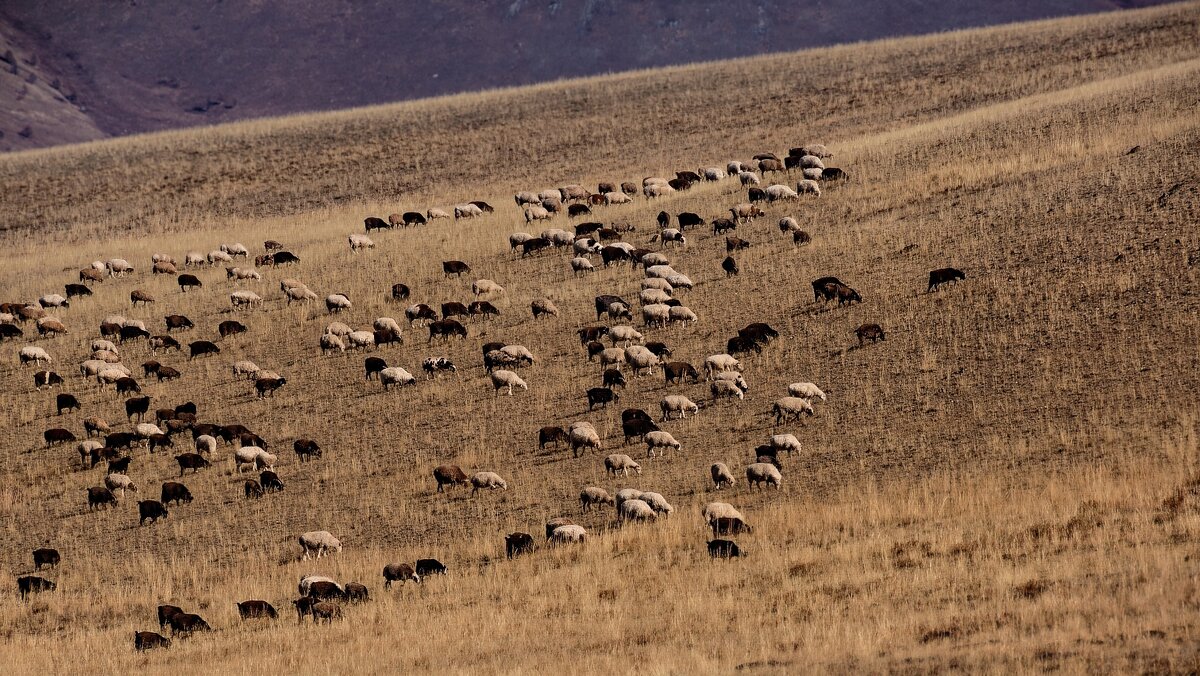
[{"x": 1006, "y": 483}]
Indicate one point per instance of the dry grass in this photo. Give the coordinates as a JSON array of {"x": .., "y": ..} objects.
[{"x": 1006, "y": 483}]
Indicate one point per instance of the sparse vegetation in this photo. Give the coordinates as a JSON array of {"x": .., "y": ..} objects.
[{"x": 1007, "y": 482}]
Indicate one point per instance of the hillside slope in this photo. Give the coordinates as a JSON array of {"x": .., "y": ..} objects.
[
  {"x": 1008, "y": 482},
  {"x": 137, "y": 67}
]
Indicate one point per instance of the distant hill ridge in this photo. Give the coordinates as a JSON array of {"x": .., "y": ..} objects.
[{"x": 78, "y": 70}]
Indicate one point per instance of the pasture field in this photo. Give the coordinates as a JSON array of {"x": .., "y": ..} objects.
[{"x": 1007, "y": 482}]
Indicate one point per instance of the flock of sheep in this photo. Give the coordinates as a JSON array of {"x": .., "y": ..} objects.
[{"x": 590, "y": 243}]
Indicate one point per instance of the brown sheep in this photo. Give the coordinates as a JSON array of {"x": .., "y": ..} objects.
[
  {"x": 451, "y": 475},
  {"x": 872, "y": 332}
]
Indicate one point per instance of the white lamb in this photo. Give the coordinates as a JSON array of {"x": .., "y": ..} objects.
[
  {"x": 725, "y": 388},
  {"x": 486, "y": 287},
  {"x": 489, "y": 480},
  {"x": 507, "y": 379},
  {"x": 338, "y": 329},
  {"x": 763, "y": 472},
  {"x": 320, "y": 543},
  {"x": 358, "y": 242},
  {"x": 785, "y": 442},
  {"x": 619, "y": 462},
  {"x": 568, "y": 533},
  {"x": 245, "y": 369},
  {"x": 394, "y": 375},
  {"x": 580, "y": 264},
  {"x": 660, "y": 440}
]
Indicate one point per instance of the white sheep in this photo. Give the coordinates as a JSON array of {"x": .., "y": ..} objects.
[
  {"x": 245, "y": 369},
  {"x": 111, "y": 375},
  {"x": 657, "y": 283},
  {"x": 734, "y": 168},
  {"x": 146, "y": 430},
  {"x": 655, "y": 314},
  {"x": 92, "y": 367},
  {"x": 659, "y": 440},
  {"x": 669, "y": 235},
  {"x": 725, "y": 388},
  {"x": 106, "y": 356},
  {"x": 206, "y": 443},
  {"x": 812, "y": 174},
  {"x": 654, "y": 258},
  {"x": 249, "y": 298},
  {"x": 299, "y": 293},
  {"x": 624, "y": 334},
  {"x": 619, "y": 462},
  {"x": 623, "y": 246},
  {"x": 536, "y": 213},
  {"x": 119, "y": 482},
  {"x": 677, "y": 403},
  {"x": 653, "y": 297},
  {"x": 626, "y": 494},
  {"x": 105, "y": 345},
  {"x": 486, "y": 287},
  {"x": 549, "y": 194},
  {"x": 359, "y": 241},
  {"x": 87, "y": 446},
  {"x": 193, "y": 258},
  {"x": 388, "y": 324},
  {"x": 489, "y": 480},
  {"x": 526, "y": 197},
  {"x": 568, "y": 533},
  {"x": 678, "y": 313},
  {"x": 780, "y": 192},
  {"x": 657, "y": 190},
  {"x": 34, "y": 354},
  {"x": 808, "y": 186},
  {"x": 594, "y": 495},
  {"x": 466, "y": 211},
  {"x": 219, "y": 256},
  {"x": 586, "y": 245},
  {"x": 653, "y": 180},
  {"x": 519, "y": 353},
  {"x": 118, "y": 267},
  {"x": 712, "y": 173},
  {"x": 242, "y": 274},
  {"x": 53, "y": 300},
  {"x": 811, "y": 162},
  {"x": 641, "y": 358},
  {"x": 394, "y": 375},
  {"x": 434, "y": 213},
  {"x": 720, "y": 510},
  {"x": 610, "y": 356},
  {"x": 680, "y": 281},
  {"x": 790, "y": 408},
  {"x": 543, "y": 306},
  {"x": 360, "y": 340},
  {"x": 516, "y": 239},
  {"x": 336, "y": 302},
  {"x": 721, "y": 475},
  {"x": 338, "y": 329},
  {"x": 134, "y": 323},
  {"x": 617, "y": 198},
  {"x": 582, "y": 435},
  {"x": 735, "y": 378},
  {"x": 763, "y": 472},
  {"x": 319, "y": 542},
  {"x": 635, "y": 510},
  {"x": 748, "y": 178},
  {"x": 235, "y": 249},
  {"x": 162, "y": 258},
  {"x": 720, "y": 362},
  {"x": 246, "y": 456},
  {"x": 502, "y": 379},
  {"x": 788, "y": 224},
  {"x": 785, "y": 442},
  {"x": 658, "y": 503},
  {"x": 806, "y": 391},
  {"x": 559, "y": 238}
]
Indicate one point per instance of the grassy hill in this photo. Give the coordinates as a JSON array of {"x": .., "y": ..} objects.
[{"x": 1007, "y": 482}]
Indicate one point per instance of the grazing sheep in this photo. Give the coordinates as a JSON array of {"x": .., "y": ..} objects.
[
  {"x": 788, "y": 224},
  {"x": 507, "y": 379},
  {"x": 872, "y": 332},
  {"x": 449, "y": 475},
  {"x": 536, "y": 213},
  {"x": 486, "y": 287},
  {"x": 248, "y": 298},
  {"x": 656, "y": 314},
  {"x": 219, "y": 256},
  {"x": 719, "y": 510},
  {"x": 517, "y": 239},
  {"x": 466, "y": 211},
  {"x": 720, "y": 362},
  {"x": 735, "y": 378},
  {"x": 748, "y": 178},
  {"x": 252, "y": 609},
  {"x": 635, "y": 510},
  {"x": 610, "y": 356},
  {"x": 118, "y": 267},
  {"x": 618, "y": 462},
  {"x": 780, "y": 192},
  {"x": 33, "y": 354},
  {"x": 336, "y": 302},
  {"x": 582, "y": 434},
  {"x": 360, "y": 340},
  {"x": 394, "y": 375},
  {"x": 242, "y": 274},
  {"x": 516, "y": 544},
  {"x": 660, "y": 440},
  {"x": 785, "y": 442},
  {"x": 679, "y": 280},
  {"x": 246, "y": 369},
  {"x": 678, "y": 313},
  {"x": 330, "y": 342},
  {"x": 489, "y": 480},
  {"x": 721, "y": 475},
  {"x": 723, "y": 549},
  {"x": 676, "y": 403},
  {"x": 206, "y": 443},
  {"x": 119, "y": 482},
  {"x": 654, "y": 297},
  {"x": 813, "y": 174},
  {"x": 319, "y": 542},
  {"x": 398, "y": 571},
  {"x": 580, "y": 264},
  {"x": 434, "y": 365},
  {"x": 569, "y": 533},
  {"x": 435, "y": 213},
  {"x": 760, "y": 473},
  {"x": 593, "y": 495},
  {"x": 790, "y": 408},
  {"x": 806, "y": 391},
  {"x": 358, "y": 241},
  {"x": 658, "y": 503},
  {"x": 626, "y": 494},
  {"x": 808, "y": 186},
  {"x": 624, "y": 334},
  {"x": 601, "y": 395},
  {"x": 543, "y": 306},
  {"x": 725, "y": 388},
  {"x": 641, "y": 358}
]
